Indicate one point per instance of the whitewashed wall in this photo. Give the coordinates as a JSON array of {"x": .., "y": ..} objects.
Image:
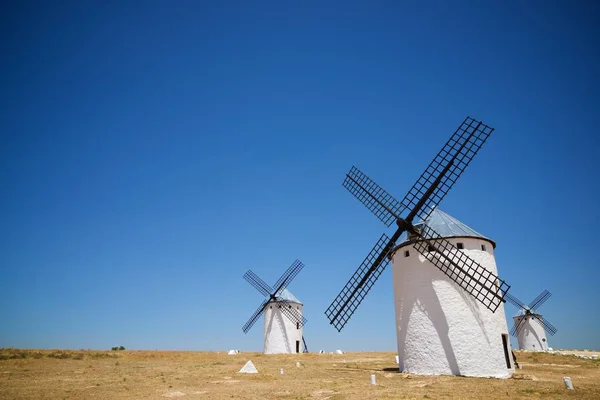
[
  {"x": 441, "y": 329},
  {"x": 281, "y": 334},
  {"x": 531, "y": 335}
]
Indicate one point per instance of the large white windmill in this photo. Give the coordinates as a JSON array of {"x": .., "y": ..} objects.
[
  {"x": 283, "y": 333},
  {"x": 448, "y": 297},
  {"x": 462, "y": 336},
  {"x": 529, "y": 326}
]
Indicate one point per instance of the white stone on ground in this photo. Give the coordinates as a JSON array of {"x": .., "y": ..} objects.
[{"x": 249, "y": 368}]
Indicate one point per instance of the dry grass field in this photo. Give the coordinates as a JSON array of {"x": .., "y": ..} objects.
[{"x": 58, "y": 374}]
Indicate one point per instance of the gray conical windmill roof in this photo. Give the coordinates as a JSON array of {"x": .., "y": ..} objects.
[
  {"x": 447, "y": 226},
  {"x": 286, "y": 295}
]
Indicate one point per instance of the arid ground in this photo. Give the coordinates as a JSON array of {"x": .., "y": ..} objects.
[{"x": 65, "y": 374}]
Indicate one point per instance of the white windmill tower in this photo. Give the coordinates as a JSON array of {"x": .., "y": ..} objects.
[
  {"x": 448, "y": 296},
  {"x": 530, "y": 327},
  {"x": 283, "y": 333},
  {"x": 463, "y": 337}
]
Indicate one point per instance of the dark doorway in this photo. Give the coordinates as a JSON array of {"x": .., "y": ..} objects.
[
  {"x": 505, "y": 346},
  {"x": 297, "y": 346}
]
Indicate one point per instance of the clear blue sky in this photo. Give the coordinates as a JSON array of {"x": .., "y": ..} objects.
[{"x": 152, "y": 152}]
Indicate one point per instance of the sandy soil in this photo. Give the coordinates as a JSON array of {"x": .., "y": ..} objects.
[{"x": 56, "y": 374}]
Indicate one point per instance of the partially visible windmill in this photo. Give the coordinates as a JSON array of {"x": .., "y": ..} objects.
[
  {"x": 282, "y": 310},
  {"x": 530, "y": 327}
]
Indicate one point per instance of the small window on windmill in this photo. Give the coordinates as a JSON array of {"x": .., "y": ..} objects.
[
  {"x": 279, "y": 306},
  {"x": 290, "y": 306},
  {"x": 431, "y": 249},
  {"x": 270, "y": 307},
  {"x": 460, "y": 246},
  {"x": 483, "y": 247},
  {"x": 297, "y": 308},
  {"x": 297, "y": 325},
  {"x": 406, "y": 253}
]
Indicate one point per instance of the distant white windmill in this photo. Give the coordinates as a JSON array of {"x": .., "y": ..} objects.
[
  {"x": 529, "y": 326},
  {"x": 283, "y": 333}
]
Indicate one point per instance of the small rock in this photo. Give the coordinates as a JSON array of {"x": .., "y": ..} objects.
[{"x": 568, "y": 383}]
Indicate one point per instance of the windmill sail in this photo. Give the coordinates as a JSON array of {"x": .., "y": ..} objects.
[
  {"x": 361, "y": 282},
  {"x": 445, "y": 169},
  {"x": 476, "y": 280},
  {"x": 377, "y": 200},
  {"x": 429, "y": 190}
]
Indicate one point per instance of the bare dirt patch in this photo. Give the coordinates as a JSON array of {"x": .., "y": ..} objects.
[
  {"x": 63, "y": 374},
  {"x": 174, "y": 394}
]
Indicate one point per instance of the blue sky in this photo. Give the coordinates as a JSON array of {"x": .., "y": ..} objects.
[{"x": 152, "y": 152}]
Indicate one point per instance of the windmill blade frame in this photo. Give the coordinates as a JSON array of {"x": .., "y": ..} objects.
[
  {"x": 481, "y": 283},
  {"x": 445, "y": 169},
  {"x": 517, "y": 326},
  {"x": 539, "y": 296},
  {"x": 516, "y": 302},
  {"x": 248, "y": 325},
  {"x": 541, "y": 299},
  {"x": 287, "y": 277},
  {"x": 258, "y": 283},
  {"x": 548, "y": 327},
  {"x": 355, "y": 289},
  {"x": 293, "y": 315},
  {"x": 433, "y": 184},
  {"x": 382, "y": 204}
]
